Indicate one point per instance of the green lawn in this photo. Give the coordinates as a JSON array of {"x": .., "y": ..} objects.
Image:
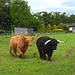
[{"x": 63, "y": 59}]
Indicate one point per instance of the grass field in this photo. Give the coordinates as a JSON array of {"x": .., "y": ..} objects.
[{"x": 63, "y": 59}]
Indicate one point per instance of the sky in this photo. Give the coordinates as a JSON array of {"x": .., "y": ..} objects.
[{"x": 67, "y": 6}]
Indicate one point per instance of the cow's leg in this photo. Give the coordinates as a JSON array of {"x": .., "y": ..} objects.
[
  {"x": 49, "y": 59},
  {"x": 23, "y": 54},
  {"x": 24, "y": 50},
  {"x": 10, "y": 50},
  {"x": 40, "y": 53},
  {"x": 49, "y": 55},
  {"x": 44, "y": 56},
  {"x": 14, "y": 50},
  {"x": 19, "y": 51}
]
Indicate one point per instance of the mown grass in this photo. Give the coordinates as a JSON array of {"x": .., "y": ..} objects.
[{"x": 63, "y": 59}]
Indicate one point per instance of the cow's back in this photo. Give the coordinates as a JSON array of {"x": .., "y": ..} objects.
[
  {"x": 17, "y": 40},
  {"x": 13, "y": 41},
  {"x": 40, "y": 41}
]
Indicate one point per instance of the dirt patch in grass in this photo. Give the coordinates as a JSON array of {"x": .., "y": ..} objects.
[{"x": 70, "y": 52}]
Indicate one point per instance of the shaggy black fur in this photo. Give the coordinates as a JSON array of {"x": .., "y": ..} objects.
[{"x": 46, "y": 49}]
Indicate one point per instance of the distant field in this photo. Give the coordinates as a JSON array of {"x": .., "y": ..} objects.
[{"x": 63, "y": 59}]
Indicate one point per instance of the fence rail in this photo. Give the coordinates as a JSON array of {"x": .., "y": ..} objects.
[{"x": 5, "y": 35}]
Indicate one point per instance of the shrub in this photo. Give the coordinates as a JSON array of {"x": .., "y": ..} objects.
[
  {"x": 48, "y": 28},
  {"x": 54, "y": 27},
  {"x": 42, "y": 28},
  {"x": 58, "y": 30},
  {"x": 2, "y": 31}
]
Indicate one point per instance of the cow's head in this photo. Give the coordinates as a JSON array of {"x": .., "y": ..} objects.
[
  {"x": 30, "y": 39},
  {"x": 53, "y": 43}
]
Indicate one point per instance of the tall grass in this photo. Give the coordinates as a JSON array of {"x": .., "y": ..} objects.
[{"x": 63, "y": 59}]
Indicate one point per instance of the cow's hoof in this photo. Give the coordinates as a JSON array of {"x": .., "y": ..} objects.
[
  {"x": 20, "y": 56},
  {"x": 12, "y": 54},
  {"x": 49, "y": 59}
]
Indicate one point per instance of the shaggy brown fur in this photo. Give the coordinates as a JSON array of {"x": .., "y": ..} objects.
[{"x": 20, "y": 44}]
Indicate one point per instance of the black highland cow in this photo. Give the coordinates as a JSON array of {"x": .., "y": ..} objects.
[{"x": 46, "y": 45}]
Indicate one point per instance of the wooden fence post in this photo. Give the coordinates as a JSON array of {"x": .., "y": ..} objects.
[{"x": 2, "y": 36}]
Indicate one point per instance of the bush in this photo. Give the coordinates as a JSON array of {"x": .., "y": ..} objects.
[
  {"x": 69, "y": 31},
  {"x": 58, "y": 30},
  {"x": 2, "y": 31}
]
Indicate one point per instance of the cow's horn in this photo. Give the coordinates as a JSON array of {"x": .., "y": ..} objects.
[
  {"x": 47, "y": 42},
  {"x": 62, "y": 41},
  {"x": 35, "y": 36}
]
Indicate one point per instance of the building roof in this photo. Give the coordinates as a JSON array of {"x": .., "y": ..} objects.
[{"x": 72, "y": 25}]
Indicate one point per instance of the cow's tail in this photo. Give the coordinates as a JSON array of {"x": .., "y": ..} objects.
[{"x": 10, "y": 50}]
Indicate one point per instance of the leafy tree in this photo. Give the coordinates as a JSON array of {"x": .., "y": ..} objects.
[
  {"x": 2, "y": 4},
  {"x": 54, "y": 27},
  {"x": 57, "y": 17},
  {"x": 35, "y": 23},
  {"x": 5, "y": 18},
  {"x": 72, "y": 19},
  {"x": 20, "y": 13},
  {"x": 21, "y": 16},
  {"x": 48, "y": 28},
  {"x": 63, "y": 26},
  {"x": 42, "y": 28},
  {"x": 64, "y": 18}
]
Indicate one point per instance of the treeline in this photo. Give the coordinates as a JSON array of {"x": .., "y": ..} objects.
[
  {"x": 55, "y": 18},
  {"x": 18, "y": 14}
]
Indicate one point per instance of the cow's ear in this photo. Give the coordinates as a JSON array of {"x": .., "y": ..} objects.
[
  {"x": 32, "y": 38},
  {"x": 24, "y": 37}
]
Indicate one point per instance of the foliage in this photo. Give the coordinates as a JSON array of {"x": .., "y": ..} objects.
[
  {"x": 54, "y": 27},
  {"x": 5, "y": 18},
  {"x": 12, "y": 27},
  {"x": 48, "y": 28},
  {"x": 63, "y": 26},
  {"x": 55, "y": 18},
  {"x": 3, "y": 3},
  {"x": 21, "y": 16},
  {"x": 58, "y": 30},
  {"x": 72, "y": 19},
  {"x": 42, "y": 28},
  {"x": 64, "y": 18},
  {"x": 2, "y": 31},
  {"x": 18, "y": 14}
]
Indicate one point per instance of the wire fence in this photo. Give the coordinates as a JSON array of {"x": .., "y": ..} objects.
[{"x": 5, "y": 35}]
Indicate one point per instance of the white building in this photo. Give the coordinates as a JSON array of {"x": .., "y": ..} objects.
[
  {"x": 23, "y": 31},
  {"x": 72, "y": 27}
]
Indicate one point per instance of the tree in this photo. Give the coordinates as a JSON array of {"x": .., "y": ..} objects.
[
  {"x": 35, "y": 23},
  {"x": 42, "y": 28},
  {"x": 2, "y": 4},
  {"x": 21, "y": 16},
  {"x": 63, "y": 26},
  {"x": 48, "y": 28},
  {"x": 5, "y": 18},
  {"x": 54, "y": 27},
  {"x": 72, "y": 19},
  {"x": 20, "y": 13},
  {"x": 57, "y": 17},
  {"x": 64, "y": 18}
]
